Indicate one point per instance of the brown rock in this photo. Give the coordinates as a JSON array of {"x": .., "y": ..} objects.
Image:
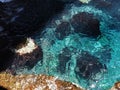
[
  {"x": 116, "y": 86},
  {"x": 34, "y": 82}
]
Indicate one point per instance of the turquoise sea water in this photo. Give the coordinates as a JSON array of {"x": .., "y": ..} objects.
[{"x": 52, "y": 47}]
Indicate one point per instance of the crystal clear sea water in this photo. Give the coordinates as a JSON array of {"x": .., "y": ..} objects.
[{"x": 109, "y": 42}]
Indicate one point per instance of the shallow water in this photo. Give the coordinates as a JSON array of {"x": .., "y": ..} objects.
[{"x": 52, "y": 47}]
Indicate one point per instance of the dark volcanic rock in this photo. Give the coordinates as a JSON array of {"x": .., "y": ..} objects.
[
  {"x": 19, "y": 19},
  {"x": 86, "y": 23},
  {"x": 26, "y": 55},
  {"x": 63, "y": 30},
  {"x": 64, "y": 57},
  {"x": 88, "y": 66}
]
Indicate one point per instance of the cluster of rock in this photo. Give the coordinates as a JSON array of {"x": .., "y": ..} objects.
[{"x": 83, "y": 23}]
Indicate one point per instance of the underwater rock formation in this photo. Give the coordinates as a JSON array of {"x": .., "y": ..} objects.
[
  {"x": 88, "y": 66},
  {"x": 86, "y": 23},
  {"x": 62, "y": 30},
  {"x": 63, "y": 58},
  {"x": 26, "y": 54},
  {"x": 35, "y": 82}
]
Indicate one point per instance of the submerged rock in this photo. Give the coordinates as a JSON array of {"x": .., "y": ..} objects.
[
  {"x": 35, "y": 82},
  {"x": 88, "y": 66},
  {"x": 63, "y": 58},
  {"x": 63, "y": 30},
  {"x": 86, "y": 24}
]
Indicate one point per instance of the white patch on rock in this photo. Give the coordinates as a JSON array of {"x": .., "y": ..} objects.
[{"x": 28, "y": 48}]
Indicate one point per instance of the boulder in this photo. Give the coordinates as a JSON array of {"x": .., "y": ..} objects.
[
  {"x": 26, "y": 55},
  {"x": 63, "y": 58},
  {"x": 86, "y": 24}
]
